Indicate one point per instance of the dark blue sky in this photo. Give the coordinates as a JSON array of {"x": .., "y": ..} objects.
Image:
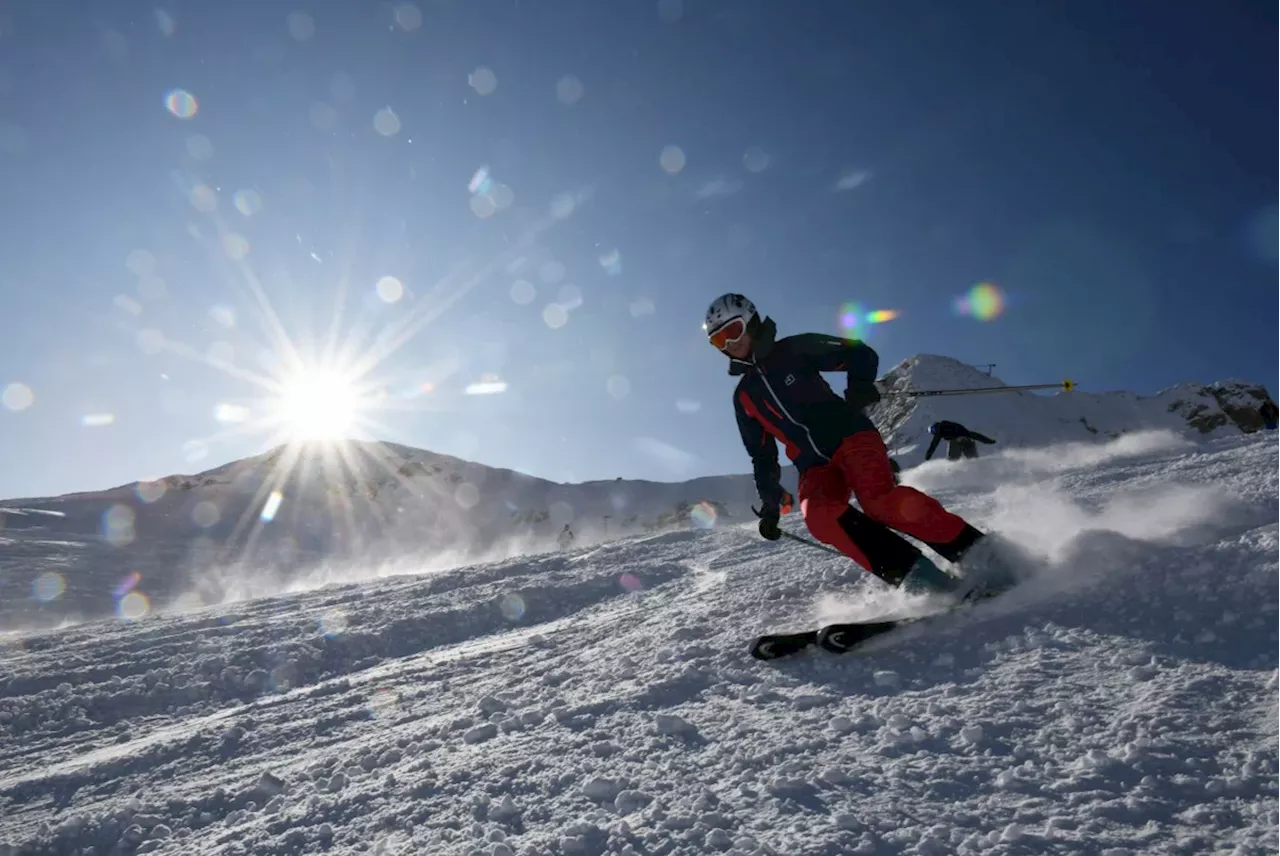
[{"x": 1110, "y": 167}]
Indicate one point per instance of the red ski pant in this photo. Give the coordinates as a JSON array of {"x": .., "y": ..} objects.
[{"x": 860, "y": 468}]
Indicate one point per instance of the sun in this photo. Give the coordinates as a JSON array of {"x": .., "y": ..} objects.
[{"x": 319, "y": 405}]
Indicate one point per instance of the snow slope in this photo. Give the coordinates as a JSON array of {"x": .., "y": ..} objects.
[
  {"x": 1222, "y": 409},
  {"x": 601, "y": 700}
]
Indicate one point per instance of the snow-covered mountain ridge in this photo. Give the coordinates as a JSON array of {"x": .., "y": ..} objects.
[{"x": 1019, "y": 418}]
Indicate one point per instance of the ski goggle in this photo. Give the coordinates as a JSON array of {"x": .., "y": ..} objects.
[{"x": 728, "y": 333}]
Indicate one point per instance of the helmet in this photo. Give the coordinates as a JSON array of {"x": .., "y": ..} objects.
[
  {"x": 728, "y": 317},
  {"x": 933, "y": 429}
]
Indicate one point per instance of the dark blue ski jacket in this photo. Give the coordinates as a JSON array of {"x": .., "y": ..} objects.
[{"x": 782, "y": 396}]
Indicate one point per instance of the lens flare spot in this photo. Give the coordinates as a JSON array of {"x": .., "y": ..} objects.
[
  {"x": 755, "y": 159},
  {"x": 672, "y": 159},
  {"x": 127, "y": 584},
  {"x": 386, "y": 122},
  {"x": 97, "y": 420},
  {"x": 611, "y": 261},
  {"x": 383, "y": 702},
  {"x": 703, "y": 515},
  {"x": 641, "y": 307},
  {"x": 523, "y": 292},
  {"x": 483, "y": 206},
  {"x": 984, "y": 301},
  {"x": 333, "y": 623},
  {"x": 224, "y": 315},
  {"x": 205, "y": 514},
  {"x": 247, "y": 202},
  {"x": 487, "y": 385},
  {"x": 512, "y": 607},
  {"x": 235, "y": 246},
  {"x": 467, "y": 495},
  {"x": 181, "y": 103},
  {"x": 271, "y": 506},
  {"x": 389, "y": 289},
  {"x": 618, "y": 386},
  {"x": 569, "y": 89},
  {"x": 150, "y": 491},
  {"x": 880, "y": 316},
  {"x": 483, "y": 80},
  {"x": 48, "y": 586},
  {"x": 480, "y": 182},
  {"x": 630, "y": 582},
  {"x": 301, "y": 26},
  {"x": 117, "y": 525},
  {"x": 555, "y": 316},
  {"x": 231, "y": 413},
  {"x": 194, "y": 450},
  {"x": 17, "y": 396},
  {"x": 408, "y": 16},
  {"x": 199, "y": 147},
  {"x": 133, "y": 606},
  {"x": 203, "y": 198},
  {"x": 851, "y": 320}
]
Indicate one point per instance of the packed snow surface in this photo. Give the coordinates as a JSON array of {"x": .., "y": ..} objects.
[{"x": 601, "y": 700}]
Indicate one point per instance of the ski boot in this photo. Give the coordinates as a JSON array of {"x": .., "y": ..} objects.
[
  {"x": 990, "y": 568},
  {"x": 926, "y": 578}
]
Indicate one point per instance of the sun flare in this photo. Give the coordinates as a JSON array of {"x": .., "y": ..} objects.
[{"x": 319, "y": 405}]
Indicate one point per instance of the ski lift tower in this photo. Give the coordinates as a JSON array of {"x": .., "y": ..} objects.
[{"x": 987, "y": 366}]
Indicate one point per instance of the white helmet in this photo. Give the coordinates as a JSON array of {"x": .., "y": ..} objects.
[{"x": 726, "y": 309}]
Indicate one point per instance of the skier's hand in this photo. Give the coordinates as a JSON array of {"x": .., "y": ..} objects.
[
  {"x": 769, "y": 529},
  {"x": 861, "y": 394},
  {"x": 770, "y": 514}
]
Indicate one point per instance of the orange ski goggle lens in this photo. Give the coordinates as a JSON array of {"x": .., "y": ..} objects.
[{"x": 728, "y": 333}]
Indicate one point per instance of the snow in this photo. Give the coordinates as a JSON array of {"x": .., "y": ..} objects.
[{"x": 600, "y": 700}]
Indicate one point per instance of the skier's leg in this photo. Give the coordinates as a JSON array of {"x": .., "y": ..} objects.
[
  {"x": 970, "y": 449},
  {"x": 864, "y": 461},
  {"x": 953, "y": 450},
  {"x": 824, "y": 502}
]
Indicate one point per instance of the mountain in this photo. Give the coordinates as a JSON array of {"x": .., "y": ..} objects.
[
  {"x": 1030, "y": 419},
  {"x": 253, "y": 524},
  {"x": 601, "y": 700}
]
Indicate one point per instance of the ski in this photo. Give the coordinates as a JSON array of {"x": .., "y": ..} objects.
[{"x": 843, "y": 637}]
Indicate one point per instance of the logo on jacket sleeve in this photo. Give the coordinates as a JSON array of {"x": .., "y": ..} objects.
[{"x": 790, "y": 379}]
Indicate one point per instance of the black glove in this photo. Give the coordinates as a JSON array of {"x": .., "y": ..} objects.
[
  {"x": 769, "y": 529},
  {"x": 770, "y": 515},
  {"x": 861, "y": 394}
]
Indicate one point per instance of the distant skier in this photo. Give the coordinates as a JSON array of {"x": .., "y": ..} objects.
[
  {"x": 565, "y": 538},
  {"x": 960, "y": 440},
  {"x": 897, "y": 470},
  {"x": 1268, "y": 412},
  {"x": 836, "y": 449}
]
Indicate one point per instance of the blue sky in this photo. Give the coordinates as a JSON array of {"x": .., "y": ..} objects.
[{"x": 1109, "y": 166}]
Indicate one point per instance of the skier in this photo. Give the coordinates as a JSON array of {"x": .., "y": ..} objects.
[
  {"x": 838, "y": 452},
  {"x": 1268, "y": 412},
  {"x": 960, "y": 440},
  {"x": 565, "y": 538}
]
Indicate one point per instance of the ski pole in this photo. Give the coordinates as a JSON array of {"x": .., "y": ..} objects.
[
  {"x": 1065, "y": 386},
  {"x": 800, "y": 539}
]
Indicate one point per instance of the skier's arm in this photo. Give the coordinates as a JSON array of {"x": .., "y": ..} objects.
[
  {"x": 833, "y": 354},
  {"x": 933, "y": 446},
  {"x": 981, "y": 438},
  {"x": 764, "y": 453}
]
